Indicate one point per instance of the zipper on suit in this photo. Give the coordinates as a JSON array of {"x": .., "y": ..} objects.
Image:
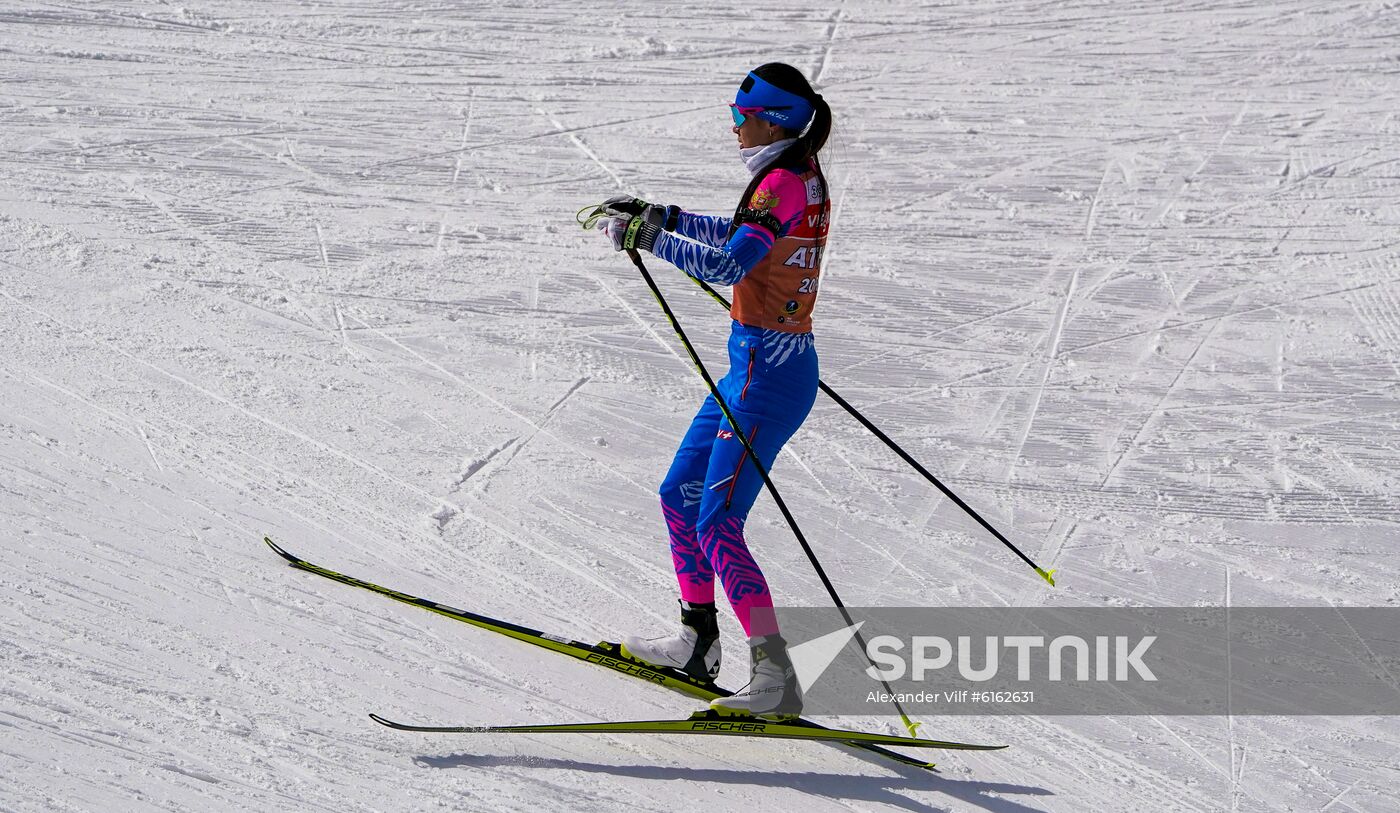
[{"x": 748, "y": 377}]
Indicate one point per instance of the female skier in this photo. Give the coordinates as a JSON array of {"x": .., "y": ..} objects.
[{"x": 770, "y": 251}]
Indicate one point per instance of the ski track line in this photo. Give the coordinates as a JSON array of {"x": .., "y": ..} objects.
[
  {"x": 881, "y": 551},
  {"x": 535, "y": 136},
  {"x": 150, "y": 448},
  {"x": 1147, "y": 242},
  {"x": 284, "y": 161},
  {"x": 1056, "y": 331},
  {"x": 332, "y": 495},
  {"x": 348, "y": 458},
  {"x": 980, "y": 319},
  {"x": 512, "y": 448},
  {"x": 159, "y": 755},
  {"x": 584, "y": 148},
  {"x": 190, "y": 230},
  {"x": 480, "y": 462},
  {"x": 626, "y": 306},
  {"x": 186, "y": 27},
  {"x": 1337, "y": 798},
  {"x": 483, "y": 395},
  {"x": 244, "y": 476},
  {"x": 1318, "y": 487},
  {"x": 1325, "y": 171},
  {"x": 1369, "y": 651},
  {"x": 1091, "y": 217},
  {"x": 939, "y": 500},
  {"x": 542, "y": 549},
  {"x": 335, "y": 305},
  {"x": 788, "y": 451},
  {"x": 1041, "y": 286},
  {"x": 835, "y": 25},
  {"x": 117, "y": 418},
  {"x": 1171, "y": 788},
  {"x": 1159, "y": 214},
  {"x": 1370, "y": 308},
  {"x": 647, "y": 569},
  {"x": 1157, "y": 407},
  {"x": 1005, "y": 174},
  {"x": 855, "y": 468},
  {"x": 174, "y": 139},
  {"x": 861, "y": 540},
  {"x": 1313, "y": 405},
  {"x": 1218, "y": 317},
  {"x": 220, "y": 247},
  {"x": 457, "y": 165}
]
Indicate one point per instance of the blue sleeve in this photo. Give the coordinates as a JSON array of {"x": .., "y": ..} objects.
[
  {"x": 725, "y": 265},
  {"x": 703, "y": 228}
]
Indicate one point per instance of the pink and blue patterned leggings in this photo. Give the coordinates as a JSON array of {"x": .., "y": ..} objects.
[{"x": 712, "y": 484}]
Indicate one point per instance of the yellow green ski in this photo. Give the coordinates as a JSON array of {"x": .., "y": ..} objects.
[
  {"x": 703, "y": 722},
  {"x": 608, "y": 655}
]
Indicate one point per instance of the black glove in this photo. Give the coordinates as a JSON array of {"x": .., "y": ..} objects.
[
  {"x": 662, "y": 217},
  {"x": 630, "y": 231}
]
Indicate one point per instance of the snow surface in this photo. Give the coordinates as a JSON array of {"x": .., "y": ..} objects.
[{"x": 1125, "y": 274}]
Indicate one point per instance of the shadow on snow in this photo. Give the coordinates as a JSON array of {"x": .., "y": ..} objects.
[{"x": 881, "y": 789}]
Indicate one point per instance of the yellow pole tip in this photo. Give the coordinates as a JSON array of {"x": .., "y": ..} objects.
[
  {"x": 1048, "y": 575},
  {"x": 913, "y": 728}
]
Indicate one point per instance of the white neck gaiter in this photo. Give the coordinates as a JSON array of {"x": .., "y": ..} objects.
[{"x": 756, "y": 158}]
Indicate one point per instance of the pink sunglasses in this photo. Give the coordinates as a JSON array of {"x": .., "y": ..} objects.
[{"x": 742, "y": 113}]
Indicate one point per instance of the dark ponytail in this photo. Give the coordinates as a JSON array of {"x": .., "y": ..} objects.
[
  {"x": 785, "y": 77},
  {"x": 809, "y": 142}
]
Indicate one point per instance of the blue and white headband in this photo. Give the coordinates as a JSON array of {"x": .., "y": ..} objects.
[{"x": 773, "y": 103}]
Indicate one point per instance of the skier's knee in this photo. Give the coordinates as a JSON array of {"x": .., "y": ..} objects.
[{"x": 681, "y": 494}]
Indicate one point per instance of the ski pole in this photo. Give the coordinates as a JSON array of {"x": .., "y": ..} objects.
[
  {"x": 739, "y": 433},
  {"x": 1047, "y": 575}
]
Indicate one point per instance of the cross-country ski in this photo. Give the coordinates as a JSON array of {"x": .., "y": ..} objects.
[
  {"x": 709, "y": 723},
  {"x": 608, "y": 655}
]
